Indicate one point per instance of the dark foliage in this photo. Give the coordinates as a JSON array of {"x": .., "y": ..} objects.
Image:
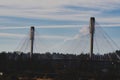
[{"x": 60, "y": 66}]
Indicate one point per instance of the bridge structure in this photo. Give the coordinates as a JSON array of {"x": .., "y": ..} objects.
[
  {"x": 68, "y": 69},
  {"x": 94, "y": 28}
]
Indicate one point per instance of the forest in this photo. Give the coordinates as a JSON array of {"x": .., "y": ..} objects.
[{"x": 59, "y": 66}]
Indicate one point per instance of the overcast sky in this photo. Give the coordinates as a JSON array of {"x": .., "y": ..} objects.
[{"x": 60, "y": 24}]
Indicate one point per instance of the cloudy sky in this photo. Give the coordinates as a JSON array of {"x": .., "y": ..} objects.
[{"x": 60, "y": 25}]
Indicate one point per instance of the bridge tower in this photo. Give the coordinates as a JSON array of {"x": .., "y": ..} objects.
[
  {"x": 92, "y": 31},
  {"x": 32, "y": 32}
]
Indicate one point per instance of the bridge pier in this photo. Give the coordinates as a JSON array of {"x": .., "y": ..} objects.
[
  {"x": 32, "y": 32},
  {"x": 92, "y": 30}
]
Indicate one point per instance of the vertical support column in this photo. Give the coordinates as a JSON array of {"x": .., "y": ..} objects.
[
  {"x": 32, "y": 30},
  {"x": 92, "y": 30}
]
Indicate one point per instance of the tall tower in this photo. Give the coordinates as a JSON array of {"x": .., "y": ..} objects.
[
  {"x": 92, "y": 31},
  {"x": 32, "y": 32}
]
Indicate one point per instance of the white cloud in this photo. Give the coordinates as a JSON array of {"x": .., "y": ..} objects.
[
  {"x": 10, "y": 35},
  {"x": 53, "y": 37},
  {"x": 84, "y": 31},
  {"x": 13, "y": 35},
  {"x": 5, "y": 28},
  {"x": 51, "y": 26},
  {"x": 49, "y": 8},
  {"x": 48, "y": 4},
  {"x": 66, "y": 26},
  {"x": 111, "y": 20}
]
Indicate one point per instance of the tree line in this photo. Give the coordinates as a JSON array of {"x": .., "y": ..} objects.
[{"x": 58, "y": 65}]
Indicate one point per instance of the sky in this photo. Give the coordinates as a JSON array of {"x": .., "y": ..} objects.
[{"x": 61, "y": 26}]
